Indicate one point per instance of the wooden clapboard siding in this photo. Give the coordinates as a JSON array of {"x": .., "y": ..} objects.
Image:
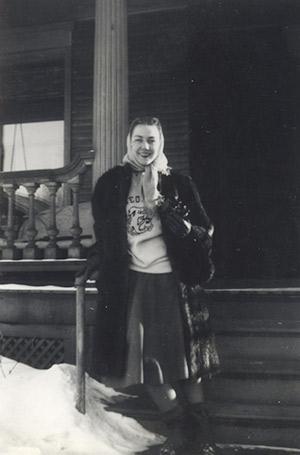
[
  {"x": 256, "y": 397},
  {"x": 32, "y": 91},
  {"x": 16, "y": 13},
  {"x": 36, "y": 12},
  {"x": 171, "y": 108},
  {"x": 33, "y": 72},
  {"x": 82, "y": 96},
  {"x": 158, "y": 77}
]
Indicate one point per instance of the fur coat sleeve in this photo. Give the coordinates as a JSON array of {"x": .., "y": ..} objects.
[{"x": 191, "y": 255}]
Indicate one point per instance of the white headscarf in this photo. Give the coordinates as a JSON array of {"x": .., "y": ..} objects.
[
  {"x": 160, "y": 163},
  {"x": 149, "y": 178}
]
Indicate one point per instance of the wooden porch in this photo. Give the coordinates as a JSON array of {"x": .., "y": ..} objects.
[{"x": 254, "y": 403}]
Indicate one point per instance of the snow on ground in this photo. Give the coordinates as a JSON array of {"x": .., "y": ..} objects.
[{"x": 38, "y": 415}]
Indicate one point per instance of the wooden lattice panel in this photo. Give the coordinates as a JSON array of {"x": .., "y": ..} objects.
[{"x": 36, "y": 352}]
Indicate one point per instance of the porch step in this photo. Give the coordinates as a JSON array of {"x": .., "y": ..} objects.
[
  {"x": 236, "y": 449},
  {"x": 256, "y": 398},
  {"x": 260, "y": 368},
  {"x": 255, "y": 424},
  {"x": 241, "y": 430},
  {"x": 279, "y": 415}
]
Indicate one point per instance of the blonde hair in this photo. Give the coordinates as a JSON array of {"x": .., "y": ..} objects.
[{"x": 146, "y": 120}]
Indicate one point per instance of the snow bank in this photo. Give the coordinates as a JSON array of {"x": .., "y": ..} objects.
[{"x": 38, "y": 416}]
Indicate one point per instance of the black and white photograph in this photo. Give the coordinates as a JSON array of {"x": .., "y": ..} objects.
[{"x": 149, "y": 227}]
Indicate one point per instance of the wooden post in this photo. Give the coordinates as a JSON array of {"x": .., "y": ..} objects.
[
  {"x": 10, "y": 251},
  {"x": 110, "y": 118},
  {"x": 80, "y": 354},
  {"x": 31, "y": 251},
  {"x": 51, "y": 250},
  {"x": 75, "y": 249}
]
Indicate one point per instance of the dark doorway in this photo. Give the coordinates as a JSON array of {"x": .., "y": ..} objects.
[{"x": 244, "y": 108}]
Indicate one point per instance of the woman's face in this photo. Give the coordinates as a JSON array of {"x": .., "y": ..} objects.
[{"x": 145, "y": 143}]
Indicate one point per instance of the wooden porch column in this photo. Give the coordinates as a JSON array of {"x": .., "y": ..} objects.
[{"x": 110, "y": 84}]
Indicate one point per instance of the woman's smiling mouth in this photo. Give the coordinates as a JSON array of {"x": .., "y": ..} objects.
[{"x": 145, "y": 154}]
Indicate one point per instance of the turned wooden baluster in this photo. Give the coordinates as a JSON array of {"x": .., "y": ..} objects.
[
  {"x": 31, "y": 251},
  {"x": 10, "y": 251},
  {"x": 75, "y": 250},
  {"x": 52, "y": 251}
]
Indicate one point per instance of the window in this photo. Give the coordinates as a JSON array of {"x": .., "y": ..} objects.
[
  {"x": 38, "y": 145},
  {"x": 35, "y": 93}
]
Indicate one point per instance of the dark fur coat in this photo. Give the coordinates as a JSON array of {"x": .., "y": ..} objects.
[{"x": 191, "y": 262}]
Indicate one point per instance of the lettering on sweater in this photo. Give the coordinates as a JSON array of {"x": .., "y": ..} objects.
[{"x": 134, "y": 199}]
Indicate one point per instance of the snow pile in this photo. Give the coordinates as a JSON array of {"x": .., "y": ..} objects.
[{"x": 38, "y": 416}]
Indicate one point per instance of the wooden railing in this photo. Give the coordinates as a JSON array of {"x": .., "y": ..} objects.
[{"x": 53, "y": 179}]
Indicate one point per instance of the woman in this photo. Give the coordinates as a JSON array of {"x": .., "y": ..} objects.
[{"x": 152, "y": 253}]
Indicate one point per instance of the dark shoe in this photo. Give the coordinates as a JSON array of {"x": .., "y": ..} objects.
[
  {"x": 205, "y": 429},
  {"x": 182, "y": 432}
]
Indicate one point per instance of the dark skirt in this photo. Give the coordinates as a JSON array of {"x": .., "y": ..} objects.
[
  {"x": 165, "y": 335},
  {"x": 155, "y": 334}
]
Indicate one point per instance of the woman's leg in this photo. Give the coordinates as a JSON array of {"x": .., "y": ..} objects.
[
  {"x": 193, "y": 391},
  {"x": 196, "y": 423}
]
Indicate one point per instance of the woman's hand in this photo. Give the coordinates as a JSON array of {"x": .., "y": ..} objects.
[
  {"x": 177, "y": 225},
  {"x": 84, "y": 275},
  {"x": 175, "y": 216}
]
